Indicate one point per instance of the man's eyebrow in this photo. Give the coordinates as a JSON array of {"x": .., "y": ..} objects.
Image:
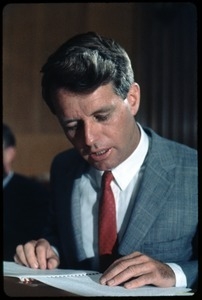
[{"x": 104, "y": 109}]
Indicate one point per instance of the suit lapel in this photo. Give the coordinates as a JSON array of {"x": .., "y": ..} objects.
[
  {"x": 70, "y": 205},
  {"x": 157, "y": 184},
  {"x": 76, "y": 219},
  {"x": 76, "y": 213}
]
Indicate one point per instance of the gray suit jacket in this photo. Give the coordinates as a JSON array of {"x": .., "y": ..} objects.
[{"x": 163, "y": 222}]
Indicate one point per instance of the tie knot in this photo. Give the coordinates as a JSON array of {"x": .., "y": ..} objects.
[{"x": 107, "y": 177}]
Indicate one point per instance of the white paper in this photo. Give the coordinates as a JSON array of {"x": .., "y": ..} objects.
[
  {"x": 12, "y": 269},
  {"x": 89, "y": 286},
  {"x": 86, "y": 283}
]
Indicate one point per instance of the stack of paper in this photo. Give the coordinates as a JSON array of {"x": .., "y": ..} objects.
[{"x": 85, "y": 283}]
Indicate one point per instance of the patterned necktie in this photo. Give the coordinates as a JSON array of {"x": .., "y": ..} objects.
[{"x": 107, "y": 217}]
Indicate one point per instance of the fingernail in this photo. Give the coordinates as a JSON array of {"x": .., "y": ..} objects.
[
  {"x": 110, "y": 282},
  {"x": 128, "y": 285},
  {"x": 103, "y": 281}
]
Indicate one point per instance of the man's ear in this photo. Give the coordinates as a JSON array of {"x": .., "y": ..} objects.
[
  {"x": 9, "y": 154},
  {"x": 133, "y": 98}
]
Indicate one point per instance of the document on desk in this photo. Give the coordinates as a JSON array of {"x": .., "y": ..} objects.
[{"x": 85, "y": 283}]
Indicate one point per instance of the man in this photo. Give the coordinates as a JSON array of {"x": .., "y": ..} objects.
[
  {"x": 25, "y": 201},
  {"x": 88, "y": 83}
]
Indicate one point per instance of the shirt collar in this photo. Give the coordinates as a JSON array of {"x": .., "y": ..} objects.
[
  {"x": 7, "y": 178},
  {"x": 124, "y": 172}
]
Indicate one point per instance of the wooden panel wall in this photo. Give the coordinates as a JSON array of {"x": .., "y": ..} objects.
[
  {"x": 166, "y": 63},
  {"x": 160, "y": 39}
]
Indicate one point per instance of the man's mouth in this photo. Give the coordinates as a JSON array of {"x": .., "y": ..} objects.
[
  {"x": 100, "y": 152},
  {"x": 100, "y": 155}
]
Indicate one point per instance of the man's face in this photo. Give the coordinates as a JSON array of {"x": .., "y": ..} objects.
[
  {"x": 8, "y": 159},
  {"x": 100, "y": 125}
]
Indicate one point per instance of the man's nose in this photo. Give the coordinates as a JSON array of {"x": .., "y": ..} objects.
[{"x": 90, "y": 133}]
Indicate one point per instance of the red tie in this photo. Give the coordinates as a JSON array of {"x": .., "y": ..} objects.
[{"x": 107, "y": 217}]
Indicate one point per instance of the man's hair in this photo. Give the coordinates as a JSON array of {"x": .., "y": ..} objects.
[
  {"x": 9, "y": 139},
  {"x": 85, "y": 62}
]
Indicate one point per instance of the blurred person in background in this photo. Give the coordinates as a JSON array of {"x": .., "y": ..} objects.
[{"x": 25, "y": 201}]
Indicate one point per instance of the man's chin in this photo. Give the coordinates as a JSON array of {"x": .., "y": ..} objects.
[{"x": 101, "y": 166}]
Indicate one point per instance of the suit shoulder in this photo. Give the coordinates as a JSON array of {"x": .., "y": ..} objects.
[
  {"x": 67, "y": 157},
  {"x": 23, "y": 180},
  {"x": 24, "y": 185},
  {"x": 170, "y": 150}
]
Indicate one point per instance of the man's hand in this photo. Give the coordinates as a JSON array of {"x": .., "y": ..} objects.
[
  {"x": 37, "y": 255},
  {"x": 137, "y": 270}
]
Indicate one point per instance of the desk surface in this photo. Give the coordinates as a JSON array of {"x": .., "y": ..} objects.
[{"x": 14, "y": 288}]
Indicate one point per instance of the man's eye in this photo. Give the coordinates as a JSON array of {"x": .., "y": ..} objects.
[
  {"x": 72, "y": 128},
  {"x": 102, "y": 117}
]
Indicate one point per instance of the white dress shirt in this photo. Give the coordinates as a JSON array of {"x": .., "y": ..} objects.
[{"x": 127, "y": 177}]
